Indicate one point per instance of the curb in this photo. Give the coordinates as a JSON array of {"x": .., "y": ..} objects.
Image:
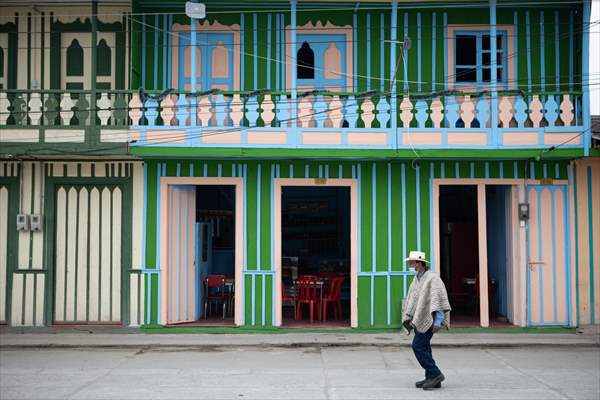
[{"x": 299, "y": 345}]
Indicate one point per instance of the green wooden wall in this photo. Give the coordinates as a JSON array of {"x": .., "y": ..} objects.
[
  {"x": 408, "y": 204},
  {"x": 429, "y": 72}
]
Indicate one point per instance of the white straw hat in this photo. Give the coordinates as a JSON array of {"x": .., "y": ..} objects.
[{"x": 416, "y": 256}]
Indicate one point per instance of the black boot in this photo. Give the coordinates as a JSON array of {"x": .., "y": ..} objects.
[
  {"x": 434, "y": 383},
  {"x": 420, "y": 384}
]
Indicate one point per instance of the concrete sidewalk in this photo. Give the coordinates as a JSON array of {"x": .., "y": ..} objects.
[{"x": 204, "y": 341}]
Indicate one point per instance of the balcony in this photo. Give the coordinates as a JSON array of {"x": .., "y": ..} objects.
[
  {"x": 52, "y": 122},
  {"x": 314, "y": 120}
]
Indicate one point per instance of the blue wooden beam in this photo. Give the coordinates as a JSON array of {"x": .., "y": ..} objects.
[{"x": 494, "y": 75}]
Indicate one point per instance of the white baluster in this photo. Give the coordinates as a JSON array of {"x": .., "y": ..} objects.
[
  {"x": 406, "y": 114},
  {"x": 506, "y": 111},
  {"x": 566, "y": 110},
  {"x": 35, "y": 108},
  {"x": 168, "y": 110},
  {"x": 335, "y": 112},
  {"x": 535, "y": 111},
  {"x": 4, "y": 104},
  {"x": 135, "y": 109},
  {"x": 467, "y": 111},
  {"x": 236, "y": 106},
  {"x": 368, "y": 116},
  {"x": 103, "y": 104},
  {"x": 267, "y": 106},
  {"x": 66, "y": 108},
  {"x": 437, "y": 112},
  {"x": 305, "y": 112},
  {"x": 204, "y": 111}
]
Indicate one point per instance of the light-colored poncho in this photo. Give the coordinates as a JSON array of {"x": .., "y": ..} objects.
[{"x": 426, "y": 295}]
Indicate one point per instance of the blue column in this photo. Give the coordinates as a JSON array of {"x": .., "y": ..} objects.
[
  {"x": 585, "y": 75},
  {"x": 393, "y": 72},
  {"x": 294, "y": 108},
  {"x": 194, "y": 58},
  {"x": 494, "y": 75}
]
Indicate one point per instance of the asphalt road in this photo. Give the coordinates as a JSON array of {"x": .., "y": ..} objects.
[{"x": 307, "y": 373}]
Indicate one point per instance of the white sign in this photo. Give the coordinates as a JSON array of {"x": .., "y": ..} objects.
[{"x": 195, "y": 10}]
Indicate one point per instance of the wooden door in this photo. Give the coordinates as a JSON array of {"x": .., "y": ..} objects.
[
  {"x": 548, "y": 294},
  {"x": 181, "y": 271},
  {"x": 88, "y": 254}
]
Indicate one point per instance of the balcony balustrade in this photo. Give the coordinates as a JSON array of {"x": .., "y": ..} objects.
[{"x": 312, "y": 120}]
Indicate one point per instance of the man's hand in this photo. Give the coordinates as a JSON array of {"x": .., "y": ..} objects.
[{"x": 436, "y": 329}]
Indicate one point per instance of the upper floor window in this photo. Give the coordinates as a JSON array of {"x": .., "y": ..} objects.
[
  {"x": 214, "y": 61},
  {"x": 321, "y": 62},
  {"x": 306, "y": 62},
  {"x": 473, "y": 57}
]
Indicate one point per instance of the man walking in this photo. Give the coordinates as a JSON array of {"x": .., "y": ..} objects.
[{"x": 426, "y": 309}]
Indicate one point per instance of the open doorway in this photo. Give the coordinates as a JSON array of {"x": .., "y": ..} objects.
[
  {"x": 215, "y": 253},
  {"x": 460, "y": 251},
  {"x": 316, "y": 255},
  {"x": 499, "y": 252},
  {"x": 201, "y": 237}
]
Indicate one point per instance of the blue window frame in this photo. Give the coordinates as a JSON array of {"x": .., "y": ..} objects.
[
  {"x": 313, "y": 70},
  {"x": 205, "y": 43},
  {"x": 472, "y": 57}
]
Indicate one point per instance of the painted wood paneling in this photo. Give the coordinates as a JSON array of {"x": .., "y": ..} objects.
[
  {"x": 182, "y": 290},
  {"x": 4, "y": 227},
  {"x": 379, "y": 261},
  {"x": 88, "y": 254},
  {"x": 76, "y": 289},
  {"x": 548, "y": 296},
  {"x": 586, "y": 216}
]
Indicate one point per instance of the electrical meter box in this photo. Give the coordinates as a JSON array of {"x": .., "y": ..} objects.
[
  {"x": 35, "y": 222},
  {"x": 22, "y": 222}
]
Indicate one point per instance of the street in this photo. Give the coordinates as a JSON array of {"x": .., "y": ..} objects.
[{"x": 306, "y": 373}]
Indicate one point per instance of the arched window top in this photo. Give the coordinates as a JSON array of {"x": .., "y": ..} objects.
[
  {"x": 305, "y": 62},
  {"x": 103, "y": 63},
  {"x": 74, "y": 59}
]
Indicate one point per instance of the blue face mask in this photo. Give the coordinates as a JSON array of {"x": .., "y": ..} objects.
[{"x": 412, "y": 269}]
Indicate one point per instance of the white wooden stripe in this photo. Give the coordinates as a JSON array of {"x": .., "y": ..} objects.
[
  {"x": 136, "y": 231},
  {"x": 82, "y": 255},
  {"x": 133, "y": 301},
  {"x": 3, "y": 250},
  {"x": 105, "y": 257},
  {"x": 94, "y": 268},
  {"x": 142, "y": 300},
  {"x": 86, "y": 169},
  {"x": 37, "y": 253},
  {"x": 116, "y": 255},
  {"x": 72, "y": 169},
  {"x": 71, "y": 248},
  {"x": 61, "y": 211},
  {"x": 100, "y": 169},
  {"x": 39, "y": 300},
  {"x": 29, "y": 290},
  {"x": 57, "y": 169},
  {"x": 17, "y": 300}
]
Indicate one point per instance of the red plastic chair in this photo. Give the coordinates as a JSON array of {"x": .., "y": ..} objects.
[
  {"x": 216, "y": 293},
  {"x": 333, "y": 297},
  {"x": 306, "y": 293}
]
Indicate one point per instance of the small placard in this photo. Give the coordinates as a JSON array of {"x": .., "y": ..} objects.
[
  {"x": 546, "y": 181},
  {"x": 320, "y": 181}
]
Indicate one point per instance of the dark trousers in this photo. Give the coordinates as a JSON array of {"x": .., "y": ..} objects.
[{"x": 422, "y": 347}]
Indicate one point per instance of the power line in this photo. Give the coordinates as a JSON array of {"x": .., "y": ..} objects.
[{"x": 300, "y": 9}]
